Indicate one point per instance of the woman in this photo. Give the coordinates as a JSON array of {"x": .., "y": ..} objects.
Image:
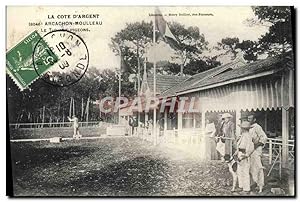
[{"x": 210, "y": 132}]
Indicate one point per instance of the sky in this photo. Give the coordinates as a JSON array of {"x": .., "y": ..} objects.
[{"x": 220, "y": 22}]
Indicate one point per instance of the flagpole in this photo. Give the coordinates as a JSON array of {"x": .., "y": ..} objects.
[
  {"x": 120, "y": 83},
  {"x": 138, "y": 87},
  {"x": 154, "y": 84}
]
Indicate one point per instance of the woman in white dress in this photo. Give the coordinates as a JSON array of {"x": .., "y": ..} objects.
[{"x": 210, "y": 132}]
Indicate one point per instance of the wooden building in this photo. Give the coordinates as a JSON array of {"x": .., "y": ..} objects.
[{"x": 265, "y": 86}]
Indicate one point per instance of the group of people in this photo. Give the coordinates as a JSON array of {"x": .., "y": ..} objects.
[
  {"x": 222, "y": 135},
  {"x": 147, "y": 126},
  {"x": 246, "y": 147}
]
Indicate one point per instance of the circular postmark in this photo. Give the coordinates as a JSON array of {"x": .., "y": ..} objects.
[{"x": 72, "y": 54}]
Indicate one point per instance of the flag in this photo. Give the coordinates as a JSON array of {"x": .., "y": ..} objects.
[
  {"x": 123, "y": 66},
  {"x": 164, "y": 31}
]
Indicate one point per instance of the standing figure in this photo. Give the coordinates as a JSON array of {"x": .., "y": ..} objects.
[
  {"x": 76, "y": 133},
  {"x": 259, "y": 139},
  {"x": 133, "y": 123},
  {"x": 220, "y": 143},
  {"x": 228, "y": 133},
  {"x": 210, "y": 132},
  {"x": 245, "y": 148},
  {"x": 150, "y": 127}
]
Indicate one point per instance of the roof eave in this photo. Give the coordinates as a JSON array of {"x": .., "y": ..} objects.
[{"x": 266, "y": 73}]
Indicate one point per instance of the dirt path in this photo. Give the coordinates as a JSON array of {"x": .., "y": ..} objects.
[{"x": 114, "y": 167}]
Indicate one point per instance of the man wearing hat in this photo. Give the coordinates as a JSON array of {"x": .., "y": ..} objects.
[
  {"x": 259, "y": 139},
  {"x": 245, "y": 147},
  {"x": 228, "y": 133}
]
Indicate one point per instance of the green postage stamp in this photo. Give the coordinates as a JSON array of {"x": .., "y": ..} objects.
[{"x": 19, "y": 60}]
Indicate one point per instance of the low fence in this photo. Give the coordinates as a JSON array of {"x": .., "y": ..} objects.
[
  {"x": 195, "y": 138},
  {"x": 53, "y": 124},
  {"x": 49, "y": 130},
  {"x": 275, "y": 154}
]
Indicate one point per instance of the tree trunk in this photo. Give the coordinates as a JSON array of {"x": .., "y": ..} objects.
[
  {"x": 87, "y": 110},
  {"x": 70, "y": 111},
  {"x": 43, "y": 119},
  {"x": 63, "y": 119},
  {"x": 73, "y": 107},
  {"x": 82, "y": 109},
  {"x": 57, "y": 119}
]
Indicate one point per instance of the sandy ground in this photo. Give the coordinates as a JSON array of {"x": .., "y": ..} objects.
[{"x": 124, "y": 166}]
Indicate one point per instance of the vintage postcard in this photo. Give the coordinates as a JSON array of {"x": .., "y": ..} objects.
[{"x": 150, "y": 101}]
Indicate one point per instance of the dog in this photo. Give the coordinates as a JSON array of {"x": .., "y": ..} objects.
[{"x": 232, "y": 163}]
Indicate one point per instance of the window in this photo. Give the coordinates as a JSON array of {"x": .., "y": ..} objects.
[
  {"x": 172, "y": 121},
  {"x": 197, "y": 120},
  {"x": 187, "y": 120}
]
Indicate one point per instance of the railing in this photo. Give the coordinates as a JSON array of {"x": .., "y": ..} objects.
[
  {"x": 275, "y": 154},
  {"x": 183, "y": 136},
  {"x": 193, "y": 136},
  {"x": 52, "y": 125},
  {"x": 274, "y": 145}
]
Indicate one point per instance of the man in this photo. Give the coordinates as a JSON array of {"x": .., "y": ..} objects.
[
  {"x": 219, "y": 126},
  {"x": 228, "y": 133},
  {"x": 245, "y": 148},
  {"x": 259, "y": 139},
  {"x": 133, "y": 123},
  {"x": 76, "y": 133}
]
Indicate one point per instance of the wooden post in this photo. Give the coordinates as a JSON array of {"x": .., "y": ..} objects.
[
  {"x": 203, "y": 121},
  {"x": 145, "y": 135},
  {"x": 179, "y": 122},
  {"x": 237, "y": 122},
  {"x": 165, "y": 121},
  {"x": 154, "y": 83},
  {"x": 280, "y": 162},
  {"x": 165, "y": 126},
  {"x": 202, "y": 140},
  {"x": 266, "y": 121},
  {"x": 146, "y": 117},
  {"x": 158, "y": 122},
  {"x": 270, "y": 151},
  {"x": 285, "y": 137},
  {"x": 139, "y": 83}
]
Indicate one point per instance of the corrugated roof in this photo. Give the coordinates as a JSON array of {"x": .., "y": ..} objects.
[
  {"x": 228, "y": 72},
  {"x": 197, "y": 78}
]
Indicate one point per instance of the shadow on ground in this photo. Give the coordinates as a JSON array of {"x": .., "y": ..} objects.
[
  {"x": 138, "y": 176},
  {"x": 27, "y": 156}
]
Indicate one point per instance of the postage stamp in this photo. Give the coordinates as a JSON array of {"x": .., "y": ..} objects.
[
  {"x": 73, "y": 57},
  {"x": 19, "y": 60}
]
